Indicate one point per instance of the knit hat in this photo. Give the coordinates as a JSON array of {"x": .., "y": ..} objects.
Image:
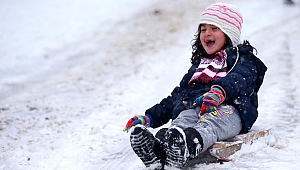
[{"x": 225, "y": 16}]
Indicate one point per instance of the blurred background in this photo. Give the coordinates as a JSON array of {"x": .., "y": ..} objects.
[{"x": 73, "y": 72}]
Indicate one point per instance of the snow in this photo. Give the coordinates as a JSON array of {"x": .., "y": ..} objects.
[{"x": 73, "y": 73}]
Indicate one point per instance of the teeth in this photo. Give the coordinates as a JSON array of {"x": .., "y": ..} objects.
[{"x": 209, "y": 42}]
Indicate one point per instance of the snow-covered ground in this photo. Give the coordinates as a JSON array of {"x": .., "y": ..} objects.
[{"x": 73, "y": 72}]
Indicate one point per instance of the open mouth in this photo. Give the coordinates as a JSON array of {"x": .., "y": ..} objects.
[{"x": 209, "y": 43}]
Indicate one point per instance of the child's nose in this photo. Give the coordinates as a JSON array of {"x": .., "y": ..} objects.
[{"x": 207, "y": 32}]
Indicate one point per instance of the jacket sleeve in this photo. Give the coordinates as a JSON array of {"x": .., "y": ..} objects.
[
  {"x": 242, "y": 75},
  {"x": 162, "y": 112}
]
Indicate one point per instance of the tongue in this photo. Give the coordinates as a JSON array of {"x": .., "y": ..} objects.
[{"x": 210, "y": 43}]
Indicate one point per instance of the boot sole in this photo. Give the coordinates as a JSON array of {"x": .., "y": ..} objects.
[
  {"x": 142, "y": 143},
  {"x": 177, "y": 151}
]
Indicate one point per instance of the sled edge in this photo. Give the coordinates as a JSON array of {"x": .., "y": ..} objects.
[{"x": 223, "y": 149}]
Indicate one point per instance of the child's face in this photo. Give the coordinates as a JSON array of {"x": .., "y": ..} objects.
[{"x": 212, "y": 38}]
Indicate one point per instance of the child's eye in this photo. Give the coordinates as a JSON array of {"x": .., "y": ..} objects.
[
  {"x": 202, "y": 30},
  {"x": 215, "y": 28}
]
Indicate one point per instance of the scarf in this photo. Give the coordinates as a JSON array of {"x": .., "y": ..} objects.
[{"x": 210, "y": 69}]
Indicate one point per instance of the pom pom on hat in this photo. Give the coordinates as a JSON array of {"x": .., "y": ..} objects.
[{"x": 225, "y": 16}]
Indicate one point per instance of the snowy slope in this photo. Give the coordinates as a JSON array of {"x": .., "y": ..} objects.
[{"x": 74, "y": 72}]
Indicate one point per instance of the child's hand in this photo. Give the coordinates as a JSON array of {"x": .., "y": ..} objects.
[
  {"x": 199, "y": 100},
  {"x": 211, "y": 100},
  {"x": 143, "y": 120}
]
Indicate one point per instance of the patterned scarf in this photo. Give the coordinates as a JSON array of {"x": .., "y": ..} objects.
[{"x": 210, "y": 69}]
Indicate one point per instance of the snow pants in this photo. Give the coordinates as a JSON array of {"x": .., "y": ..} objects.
[{"x": 212, "y": 127}]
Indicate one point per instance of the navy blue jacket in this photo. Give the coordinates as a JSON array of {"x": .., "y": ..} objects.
[{"x": 241, "y": 85}]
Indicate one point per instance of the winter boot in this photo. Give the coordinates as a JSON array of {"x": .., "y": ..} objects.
[
  {"x": 194, "y": 142},
  {"x": 182, "y": 145},
  {"x": 176, "y": 148},
  {"x": 146, "y": 146}
]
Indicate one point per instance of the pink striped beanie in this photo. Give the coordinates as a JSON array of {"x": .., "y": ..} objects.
[{"x": 225, "y": 16}]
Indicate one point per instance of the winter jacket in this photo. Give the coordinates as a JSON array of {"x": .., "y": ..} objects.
[{"x": 241, "y": 84}]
